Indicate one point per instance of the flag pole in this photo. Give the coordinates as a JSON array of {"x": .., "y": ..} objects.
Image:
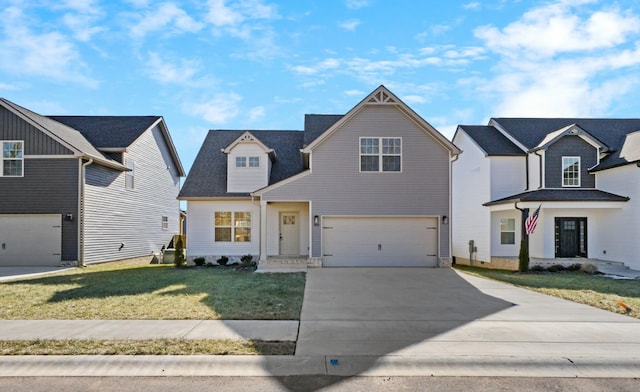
[{"x": 525, "y": 237}]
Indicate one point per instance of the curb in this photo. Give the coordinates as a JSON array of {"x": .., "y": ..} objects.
[{"x": 365, "y": 366}]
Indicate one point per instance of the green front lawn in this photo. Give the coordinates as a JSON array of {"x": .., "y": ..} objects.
[
  {"x": 593, "y": 290},
  {"x": 117, "y": 291}
]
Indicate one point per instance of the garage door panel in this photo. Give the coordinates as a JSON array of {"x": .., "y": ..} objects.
[
  {"x": 379, "y": 242},
  {"x": 30, "y": 240}
]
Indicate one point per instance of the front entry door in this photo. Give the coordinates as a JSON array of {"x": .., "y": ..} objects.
[
  {"x": 289, "y": 234},
  {"x": 571, "y": 237}
]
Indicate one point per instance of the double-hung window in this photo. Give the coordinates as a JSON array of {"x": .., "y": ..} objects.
[
  {"x": 232, "y": 226},
  {"x": 11, "y": 164},
  {"x": 247, "y": 161},
  {"x": 571, "y": 171},
  {"x": 380, "y": 154},
  {"x": 507, "y": 231}
]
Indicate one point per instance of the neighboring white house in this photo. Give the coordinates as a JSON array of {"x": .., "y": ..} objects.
[
  {"x": 582, "y": 174},
  {"x": 368, "y": 188}
]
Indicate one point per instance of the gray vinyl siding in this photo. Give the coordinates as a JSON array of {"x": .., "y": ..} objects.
[
  {"x": 36, "y": 142},
  {"x": 116, "y": 215},
  {"x": 337, "y": 187},
  {"x": 49, "y": 186},
  {"x": 570, "y": 146}
]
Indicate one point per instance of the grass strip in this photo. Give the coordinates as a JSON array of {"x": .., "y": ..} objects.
[
  {"x": 153, "y": 292},
  {"x": 594, "y": 290},
  {"x": 145, "y": 347}
]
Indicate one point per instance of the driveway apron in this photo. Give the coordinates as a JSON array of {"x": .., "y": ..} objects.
[{"x": 416, "y": 311}]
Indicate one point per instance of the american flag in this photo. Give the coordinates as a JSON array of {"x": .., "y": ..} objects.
[{"x": 531, "y": 221}]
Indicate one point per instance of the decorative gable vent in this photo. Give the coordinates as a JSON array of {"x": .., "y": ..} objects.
[
  {"x": 247, "y": 137},
  {"x": 381, "y": 97}
]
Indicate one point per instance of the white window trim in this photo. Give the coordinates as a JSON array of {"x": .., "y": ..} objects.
[
  {"x": 380, "y": 154},
  {"x": 130, "y": 164},
  {"x": 165, "y": 223},
  {"x": 253, "y": 158},
  {"x": 233, "y": 227},
  {"x": 579, "y": 172},
  {"x": 241, "y": 159},
  {"x": 508, "y": 231},
  {"x": 2, "y": 158}
]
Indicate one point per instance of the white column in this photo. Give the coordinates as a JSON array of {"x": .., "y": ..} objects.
[{"x": 263, "y": 230}]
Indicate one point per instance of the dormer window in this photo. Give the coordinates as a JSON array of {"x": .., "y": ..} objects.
[
  {"x": 253, "y": 161},
  {"x": 570, "y": 171}
]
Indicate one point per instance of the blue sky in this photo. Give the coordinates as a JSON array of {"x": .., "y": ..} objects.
[{"x": 261, "y": 64}]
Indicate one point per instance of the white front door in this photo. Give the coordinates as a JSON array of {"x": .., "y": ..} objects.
[{"x": 289, "y": 234}]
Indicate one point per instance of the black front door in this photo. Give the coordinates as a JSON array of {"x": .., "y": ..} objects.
[{"x": 571, "y": 237}]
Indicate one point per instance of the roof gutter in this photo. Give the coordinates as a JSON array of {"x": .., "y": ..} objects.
[{"x": 540, "y": 168}]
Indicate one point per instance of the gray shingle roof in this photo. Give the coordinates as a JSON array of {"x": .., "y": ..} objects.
[
  {"x": 612, "y": 132},
  {"x": 542, "y": 195},
  {"x": 61, "y": 132},
  {"x": 109, "y": 131},
  {"x": 208, "y": 174},
  {"x": 492, "y": 141},
  {"x": 316, "y": 124}
]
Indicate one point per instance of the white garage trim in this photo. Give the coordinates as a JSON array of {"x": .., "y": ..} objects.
[
  {"x": 30, "y": 239},
  {"x": 380, "y": 241}
]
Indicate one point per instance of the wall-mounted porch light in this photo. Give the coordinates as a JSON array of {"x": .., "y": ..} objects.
[
  {"x": 316, "y": 220},
  {"x": 445, "y": 219}
]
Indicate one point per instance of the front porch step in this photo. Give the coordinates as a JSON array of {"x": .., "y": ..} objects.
[
  {"x": 288, "y": 264},
  {"x": 616, "y": 268}
]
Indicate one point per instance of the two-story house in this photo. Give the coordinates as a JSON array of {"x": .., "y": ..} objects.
[
  {"x": 367, "y": 188},
  {"x": 582, "y": 174},
  {"x": 83, "y": 189}
]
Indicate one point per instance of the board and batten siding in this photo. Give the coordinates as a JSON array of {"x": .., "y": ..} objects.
[
  {"x": 570, "y": 146},
  {"x": 116, "y": 215},
  {"x": 337, "y": 187},
  {"x": 247, "y": 179},
  {"x": 471, "y": 188},
  {"x": 619, "y": 236},
  {"x": 49, "y": 186},
  {"x": 13, "y": 127},
  {"x": 201, "y": 238}
]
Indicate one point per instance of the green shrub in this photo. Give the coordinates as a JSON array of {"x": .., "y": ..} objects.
[
  {"x": 179, "y": 260},
  {"x": 223, "y": 260},
  {"x": 246, "y": 259},
  {"x": 537, "y": 268},
  {"x": 523, "y": 257},
  {"x": 199, "y": 261},
  {"x": 589, "y": 269},
  {"x": 574, "y": 267},
  {"x": 556, "y": 268}
]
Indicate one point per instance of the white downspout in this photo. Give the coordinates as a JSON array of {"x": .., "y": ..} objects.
[{"x": 83, "y": 206}]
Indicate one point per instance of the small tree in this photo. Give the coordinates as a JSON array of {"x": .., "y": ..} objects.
[
  {"x": 523, "y": 257},
  {"x": 179, "y": 259}
]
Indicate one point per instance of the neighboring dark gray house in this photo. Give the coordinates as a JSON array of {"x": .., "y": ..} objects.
[
  {"x": 367, "y": 188},
  {"x": 83, "y": 189},
  {"x": 581, "y": 173}
]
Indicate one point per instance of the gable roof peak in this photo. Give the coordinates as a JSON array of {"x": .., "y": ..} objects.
[{"x": 248, "y": 137}]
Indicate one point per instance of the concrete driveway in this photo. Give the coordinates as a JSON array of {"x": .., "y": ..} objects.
[
  {"x": 440, "y": 312},
  {"x": 9, "y": 273}
]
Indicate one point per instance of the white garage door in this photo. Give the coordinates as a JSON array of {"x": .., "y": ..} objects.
[
  {"x": 30, "y": 240},
  {"x": 379, "y": 242}
]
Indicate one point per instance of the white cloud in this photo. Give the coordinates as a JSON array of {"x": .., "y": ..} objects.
[
  {"x": 47, "y": 54},
  {"x": 356, "y": 93},
  {"x": 167, "y": 16},
  {"x": 325, "y": 65},
  {"x": 413, "y": 99},
  {"x": 350, "y": 25},
  {"x": 557, "y": 28},
  {"x": 562, "y": 59},
  {"x": 256, "y": 113},
  {"x": 474, "y": 5},
  {"x": 356, "y": 4},
  {"x": 237, "y": 12},
  {"x": 217, "y": 110},
  {"x": 165, "y": 72}
]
